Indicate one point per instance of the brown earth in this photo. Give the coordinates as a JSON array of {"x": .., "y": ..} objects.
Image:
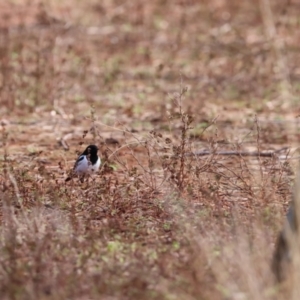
[{"x": 149, "y": 83}]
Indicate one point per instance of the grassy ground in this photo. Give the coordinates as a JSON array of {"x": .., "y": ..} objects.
[{"x": 149, "y": 83}]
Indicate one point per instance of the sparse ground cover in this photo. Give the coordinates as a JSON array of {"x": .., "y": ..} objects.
[{"x": 150, "y": 83}]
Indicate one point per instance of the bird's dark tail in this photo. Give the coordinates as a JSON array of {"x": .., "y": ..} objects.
[{"x": 68, "y": 179}]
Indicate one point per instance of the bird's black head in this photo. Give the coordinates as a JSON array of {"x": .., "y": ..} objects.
[{"x": 91, "y": 150}]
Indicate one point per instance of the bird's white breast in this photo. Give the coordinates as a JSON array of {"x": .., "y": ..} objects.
[{"x": 95, "y": 167}]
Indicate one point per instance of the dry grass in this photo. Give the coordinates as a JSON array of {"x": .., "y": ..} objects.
[{"x": 149, "y": 83}]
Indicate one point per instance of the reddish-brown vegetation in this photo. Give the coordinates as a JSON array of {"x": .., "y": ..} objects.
[{"x": 150, "y": 83}]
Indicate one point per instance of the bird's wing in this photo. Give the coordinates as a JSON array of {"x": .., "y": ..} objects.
[{"x": 78, "y": 161}]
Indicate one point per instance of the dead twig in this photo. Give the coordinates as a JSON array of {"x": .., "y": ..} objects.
[{"x": 239, "y": 153}]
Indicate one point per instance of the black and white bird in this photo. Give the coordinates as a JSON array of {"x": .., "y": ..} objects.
[{"x": 87, "y": 163}]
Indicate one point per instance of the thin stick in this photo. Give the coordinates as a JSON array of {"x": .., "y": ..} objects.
[{"x": 239, "y": 153}]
